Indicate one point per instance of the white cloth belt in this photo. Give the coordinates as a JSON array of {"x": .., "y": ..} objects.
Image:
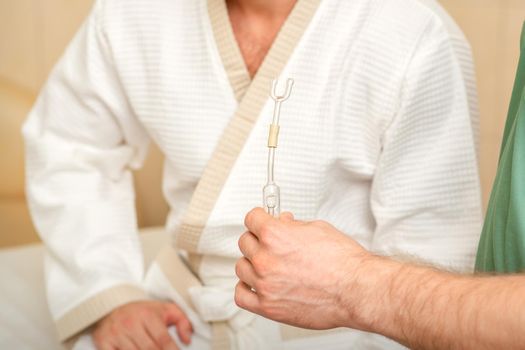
[
  {"x": 231, "y": 327},
  {"x": 216, "y": 304}
]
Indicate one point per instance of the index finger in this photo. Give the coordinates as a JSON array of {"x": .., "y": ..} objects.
[{"x": 256, "y": 219}]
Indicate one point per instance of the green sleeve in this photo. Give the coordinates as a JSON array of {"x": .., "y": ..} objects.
[{"x": 502, "y": 244}]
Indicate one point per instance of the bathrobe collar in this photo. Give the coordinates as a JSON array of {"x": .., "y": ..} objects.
[{"x": 251, "y": 96}]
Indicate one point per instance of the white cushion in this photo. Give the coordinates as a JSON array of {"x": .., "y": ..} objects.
[{"x": 25, "y": 322}]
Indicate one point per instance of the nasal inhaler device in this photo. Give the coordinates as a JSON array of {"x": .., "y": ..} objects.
[{"x": 271, "y": 192}]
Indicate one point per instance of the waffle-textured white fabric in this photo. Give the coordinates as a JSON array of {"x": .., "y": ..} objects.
[{"x": 379, "y": 138}]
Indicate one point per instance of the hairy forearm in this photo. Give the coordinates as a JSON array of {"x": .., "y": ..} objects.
[{"x": 424, "y": 308}]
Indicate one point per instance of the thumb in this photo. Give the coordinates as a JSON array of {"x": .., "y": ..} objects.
[
  {"x": 175, "y": 316},
  {"x": 286, "y": 216}
]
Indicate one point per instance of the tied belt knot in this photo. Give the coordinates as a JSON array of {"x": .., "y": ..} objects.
[{"x": 216, "y": 304}]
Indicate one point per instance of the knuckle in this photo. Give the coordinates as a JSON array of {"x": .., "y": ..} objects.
[
  {"x": 266, "y": 291},
  {"x": 242, "y": 240},
  {"x": 164, "y": 339},
  {"x": 320, "y": 224},
  {"x": 261, "y": 288},
  {"x": 173, "y": 310},
  {"x": 145, "y": 314},
  {"x": 238, "y": 268},
  {"x": 248, "y": 217},
  {"x": 237, "y": 297},
  {"x": 128, "y": 322},
  {"x": 259, "y": 262},
  {"x": 114, "y": 331},
  {"x": 266, "y": 231},
  {"x": 287, "y": 214}
]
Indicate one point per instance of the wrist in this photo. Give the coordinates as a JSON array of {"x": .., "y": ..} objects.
[
  {"x": 412, "y": 296},
  {"x": 365, "y": 297}
]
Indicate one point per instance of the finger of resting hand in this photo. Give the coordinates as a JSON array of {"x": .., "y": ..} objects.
[
  {"x": 256, "y": 219},
  {"x": 171, "y": 313},
  {"x": 141, "y": 338},
  {"x": 158, "y": 331},
  {"x": 106, "y": 345},
  {"x": 104, "y": 340},
  {"x": 245, "y": 298},
  {"x": 184, "y": 330},
  {"x": 124, "y": 342},
  {"x": 245, "y": 272},
  {"x": 248, "y": 244},
  {"x": 175, "y": 316}
]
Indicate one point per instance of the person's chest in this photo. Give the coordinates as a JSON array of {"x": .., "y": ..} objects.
[
  {"x": 255, "y": 32},
  {"x": 190, "y": 97}
]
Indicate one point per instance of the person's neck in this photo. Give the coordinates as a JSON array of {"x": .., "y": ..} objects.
[{"x": 271, "y": 9}]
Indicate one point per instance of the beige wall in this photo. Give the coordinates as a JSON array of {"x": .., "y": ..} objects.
[
  {"x": 493, "y": 28},
  {"x": 33, "y": 34}
]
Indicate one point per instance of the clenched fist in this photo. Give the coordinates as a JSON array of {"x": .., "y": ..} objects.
[{"x": 300, "y": 273}]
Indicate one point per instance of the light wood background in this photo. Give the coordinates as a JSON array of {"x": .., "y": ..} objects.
[{"x": 33, "y": 34}]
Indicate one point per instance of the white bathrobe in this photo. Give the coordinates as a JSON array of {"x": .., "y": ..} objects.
[{"x": 379, "y": 138}]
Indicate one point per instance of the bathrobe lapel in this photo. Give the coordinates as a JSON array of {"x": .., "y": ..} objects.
[
  {"x": 228, "y": 49},
  {"x": 251, "y": 95}
]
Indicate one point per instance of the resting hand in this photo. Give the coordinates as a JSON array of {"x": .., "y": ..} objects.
[
  {"x": 299, "y": 272},
  {"x": 142, "y": 325}
]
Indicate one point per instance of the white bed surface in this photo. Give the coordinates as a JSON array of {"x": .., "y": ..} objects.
[{"x": 25, "y": 322}]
